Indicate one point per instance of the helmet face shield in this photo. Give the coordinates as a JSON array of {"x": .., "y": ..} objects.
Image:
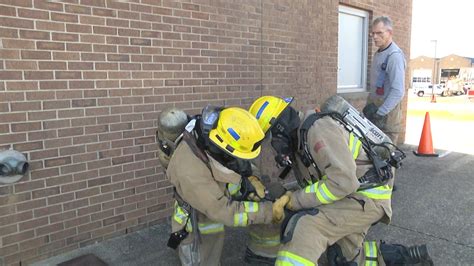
[
  {"x": 267, "y": 109},
  {"x": 238, "y": 133}
]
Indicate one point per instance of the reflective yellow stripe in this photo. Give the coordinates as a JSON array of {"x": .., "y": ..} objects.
[
  {"x": 180, "y": 215},
  {"x": 322, "y": 192},
  {"x": 354, "y": 145},
  {"x": 266, "y": 241},
  {"x": 370, "y": 250},
  {"x": 285, "y": 258},
  {"x": 210, "y": 228},
  {"x": 233, "y": 188},
  {"x": 206, "y": 228},
  {"x": 241, "y": 219},
  {"x": 250, "y": 206},
  {"x": 380, "y": 192},
  {"x": 189, "y": 227}
]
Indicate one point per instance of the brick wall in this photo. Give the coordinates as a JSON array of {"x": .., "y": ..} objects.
[{"x": 82, "y": 82}]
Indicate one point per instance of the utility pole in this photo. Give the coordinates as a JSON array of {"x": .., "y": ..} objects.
[{"x": 433, "y": 97}]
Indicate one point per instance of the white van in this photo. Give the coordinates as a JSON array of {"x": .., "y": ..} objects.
[{"x": 428, "y": 90}]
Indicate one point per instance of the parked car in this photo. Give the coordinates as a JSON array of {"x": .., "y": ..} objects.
[{"x": 428, "y": 90}]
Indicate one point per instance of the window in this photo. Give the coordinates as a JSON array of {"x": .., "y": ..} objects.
[{"x": 352, "y": 50}]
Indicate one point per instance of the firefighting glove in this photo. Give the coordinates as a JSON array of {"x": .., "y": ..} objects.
[
  {"x": 278, "y": 208},
  {"x": 289, "y": 205},
  {"x": 370, "y": 110},
  {"x": 379, "y": 120},
  {"x": 259, "y": 189}
]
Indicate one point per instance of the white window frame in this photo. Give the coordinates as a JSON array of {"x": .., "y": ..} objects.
[{"x": 362, "y": 87}]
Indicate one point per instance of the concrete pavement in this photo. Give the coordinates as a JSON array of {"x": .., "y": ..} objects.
[{"x": 434, "y": 204}]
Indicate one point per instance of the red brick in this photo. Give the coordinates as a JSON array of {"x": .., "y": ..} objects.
[
  {"x": 51, "y": 65},
  {"x": 18, "y": 44},
  {"x": 66, "y": 56},
  {"x": 63, "y": 215},
  {"x": 80, "y": 47},
  {"x": 68, "y": 75},
  {"x": 47, "y": 105},
  {"x": 25, "y": 106},
  {"x": 28, "y": 126},
  {"x": 16, "y": 22},
  {"x": 37, "y": 75},
  {"x": 31, "y": 224},
  {"x": 88, "y": 227},
  {"x": 48, "y": 5},
  {"x": 28, "y": 146},
  {"x": 65, "y": 197},
  {"x": 29, "y": 185},
  {"x": 50, "y": 26},
  {"x": 56, "y": 124},
  {"x": 81, "y": 84},
  {"x": 73, "y": 168},
  {"x": 78, "y": 28},
  {"x": 10, "y": 75},
  {"x": 45, "y": 192},
  {"x": 57, "y": 161},
  {"x": 8, "y": 230},
  {"x": 23, "y": 65},
  {"x": 67, "y": 37},
  {"x": 8, "y": 11},
  {"x": 113, "y": 220},
  {"x": 50, "y": 173},
  {"x": 42, "y": 55},
  {"x": 101, "y": 198},
  {"x": 17, "y": 237},
  {"x": 49, "y": 45},
  {"x": 33, "y": 34},
  {"x": 117, "y": 40},
  {"x": 49, "y": 229},
  {"x": 72, "y": 205},
  {"x": 64, "y": 17},
  {"x": 47, "y": 210},
  {"x": 92, "y": 20},
  {"x": 9, "y": 54},
  {"x": 78, "y": 9},
  {"x": 16, "y": 218},
  {"x": 34, "y": 243},
  {"x": 88, "y": 210},
  {"x": 78, "y": 238},
  {"x": 118, "y": 57}
]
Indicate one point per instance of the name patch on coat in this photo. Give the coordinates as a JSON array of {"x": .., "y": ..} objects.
[{"x": 319, "y": 145}]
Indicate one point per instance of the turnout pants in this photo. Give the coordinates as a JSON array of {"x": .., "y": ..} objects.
[
  {"x": 345, "y": 222},
  {"x": 392, "y": 127},
  {"x": 264, "y": 239},
  {"x": 210, "y": 250}
]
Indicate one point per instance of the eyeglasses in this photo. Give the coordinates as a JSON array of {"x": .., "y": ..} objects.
[{"x": 378, "y": 33}]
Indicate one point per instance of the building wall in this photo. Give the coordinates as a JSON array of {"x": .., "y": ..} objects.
[
  {"x": 454, "y": 61},
  {"x": 82, "y": 82},
  {"x": 447, "y": 62}
]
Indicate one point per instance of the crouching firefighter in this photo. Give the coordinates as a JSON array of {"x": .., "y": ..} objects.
[
  {"x": 203, "y": 173},
  {"x": 346, "y": 187}
]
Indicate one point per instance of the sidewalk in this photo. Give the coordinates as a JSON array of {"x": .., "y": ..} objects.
[{"x": 434, "y": 204}]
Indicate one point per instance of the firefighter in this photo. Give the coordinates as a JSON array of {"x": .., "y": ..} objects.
[
  {"x": 203, "y": 171},
  {"x": 330, "y": 212},
  {"x": 264, "y": 240}
]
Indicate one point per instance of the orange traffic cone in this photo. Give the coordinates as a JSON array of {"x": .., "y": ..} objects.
[{"x": 426, "y": 142}]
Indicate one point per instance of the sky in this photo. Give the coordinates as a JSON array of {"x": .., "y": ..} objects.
[{"x": 451, "y": 23}]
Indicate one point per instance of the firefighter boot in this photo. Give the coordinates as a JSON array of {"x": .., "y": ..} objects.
[
  {"x": 400, "y": 255},
  {"x": 254, "y": 259},
  {"x": 336, "y": 258}
]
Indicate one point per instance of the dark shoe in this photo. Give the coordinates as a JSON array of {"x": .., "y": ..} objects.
[
  {"x": 254, "y": 259},
  {"x": 395, "y": 254},
  {"x": 420, "y": 255}
]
